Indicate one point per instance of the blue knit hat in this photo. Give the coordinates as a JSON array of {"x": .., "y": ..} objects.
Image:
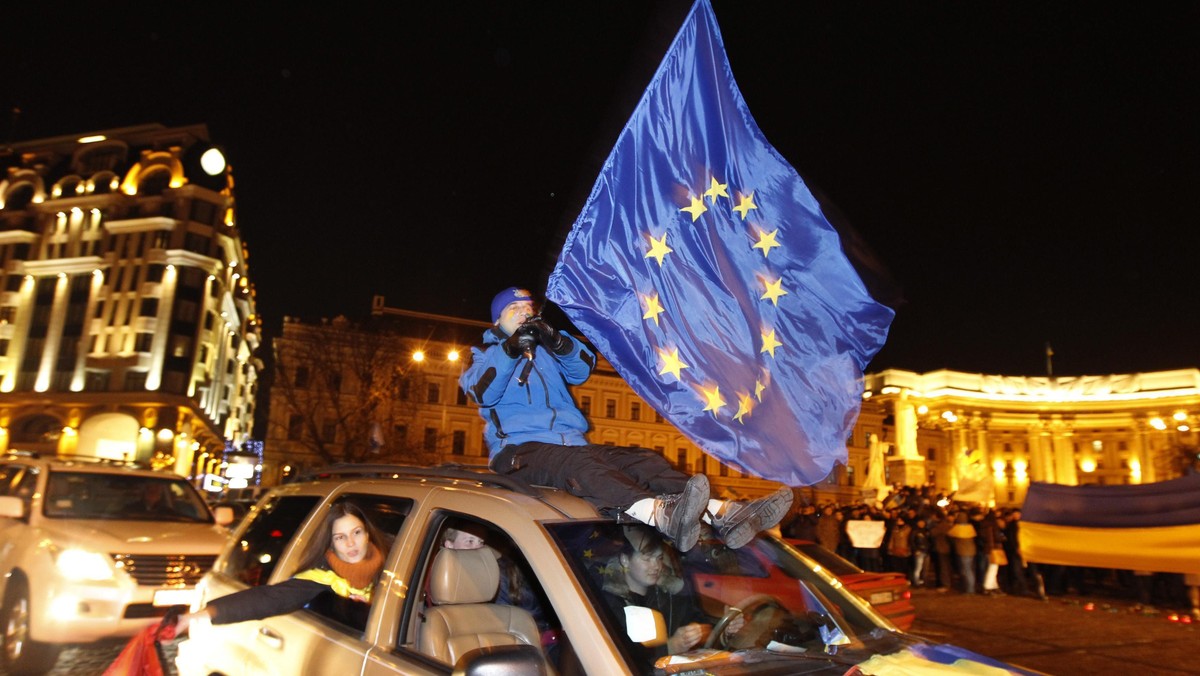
[{"x": 512, "y": 294}]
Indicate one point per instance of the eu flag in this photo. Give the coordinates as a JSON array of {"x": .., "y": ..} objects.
[{"x": 703, "y": 269}]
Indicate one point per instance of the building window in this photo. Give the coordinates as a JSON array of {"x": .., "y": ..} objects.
[
  {"x": 295, "y": 429},
  {"x": 143, "y": 342},
  {"x": 635, "y": 411},
  {"x": 135, "y": 381},
  {"x": 431, "y": 439},
  {"x": 610, "y": 408},
  {"x": 458, "y": 445}
]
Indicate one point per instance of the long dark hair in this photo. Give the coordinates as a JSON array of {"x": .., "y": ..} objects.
[{"x": 314, "y": 556}]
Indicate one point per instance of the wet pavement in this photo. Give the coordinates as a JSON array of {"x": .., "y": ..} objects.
[{"x": 1064, "y": 635}]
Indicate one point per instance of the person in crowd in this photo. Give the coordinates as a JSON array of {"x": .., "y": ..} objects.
[
  {"x": 344, "y": 558},
  {"x": 1018, "y": 583},
  {"x": 920, "y": 550},
  {"x": 521, "y": 378},
  {"x": 962, "y": 536},
  {"x": 939, "y": 533},
  {"x": 643, "y": 573},
  {"x": 829, "y": 528},
  {"x": 992, "y": 534},
  {"x": 804, "y": 526},
  {"x": 899, "y": 547}
]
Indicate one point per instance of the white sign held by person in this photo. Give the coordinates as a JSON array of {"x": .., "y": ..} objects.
[{"x": 865, "y": 534}]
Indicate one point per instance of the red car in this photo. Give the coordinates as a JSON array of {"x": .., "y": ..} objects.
[{"x": 725, "y": 576}]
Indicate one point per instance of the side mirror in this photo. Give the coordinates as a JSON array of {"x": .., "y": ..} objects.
[
  {"x": 506, "y": 660},
  {"x": 11, "y": 507},
  {"x": 224, "y": 515}
]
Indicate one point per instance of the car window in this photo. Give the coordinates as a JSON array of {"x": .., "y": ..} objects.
[
  {"x": 256, "y": 553},
  {"x": 832, "y": 562},
  {"x": 518, "y": 586},
  {"x": 99, "y": 495},
  {"x": 18, "y": 480},
  {"x": 348, "y": 616}
]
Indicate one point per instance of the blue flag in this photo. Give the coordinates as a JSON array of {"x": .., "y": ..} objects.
[{"x": 703, "y": 269}]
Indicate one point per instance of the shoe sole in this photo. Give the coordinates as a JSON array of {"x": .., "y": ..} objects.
[
  {"x": 686, "y": 517},
  {"x": 767, "y": 514}
]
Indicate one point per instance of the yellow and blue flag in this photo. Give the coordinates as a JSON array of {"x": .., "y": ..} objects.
[
  {"x": 1152, "y": 527},
  {"x": 704, "y": 270}
]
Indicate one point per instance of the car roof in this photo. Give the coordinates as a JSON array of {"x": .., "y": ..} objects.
[
  {"x": 542, "y": 502},
  {"x": 86, "y": 464}
]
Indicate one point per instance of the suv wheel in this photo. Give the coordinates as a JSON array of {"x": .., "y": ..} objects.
[{"x": 21, "y": 654}]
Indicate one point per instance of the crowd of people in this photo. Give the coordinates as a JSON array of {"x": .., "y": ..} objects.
[{"x": 946, "y": 545}]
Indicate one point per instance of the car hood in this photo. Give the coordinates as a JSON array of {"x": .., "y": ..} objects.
[{"x": 141, "y": 537}]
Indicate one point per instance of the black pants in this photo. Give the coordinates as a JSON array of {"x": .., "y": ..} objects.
[{"x": 609, "y": 477}]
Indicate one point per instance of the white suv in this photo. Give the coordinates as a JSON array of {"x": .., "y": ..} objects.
[{"x": 92, "y": 550}]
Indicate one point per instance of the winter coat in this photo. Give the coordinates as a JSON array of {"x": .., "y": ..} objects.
[{"x": 527, "y": 400}]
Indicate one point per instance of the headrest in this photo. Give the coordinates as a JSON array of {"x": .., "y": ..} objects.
[{"x": 464, "y": 576}]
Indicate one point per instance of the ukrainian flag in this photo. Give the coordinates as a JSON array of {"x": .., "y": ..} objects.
[{"x": 1150, "y": 527}]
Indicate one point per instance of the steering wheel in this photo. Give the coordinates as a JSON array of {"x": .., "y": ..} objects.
[{"x": 748, "y": 607}]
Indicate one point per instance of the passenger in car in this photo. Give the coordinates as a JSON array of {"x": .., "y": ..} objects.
[
  {"x": 521, "y": 378},
  {"x": 641, "y": 575},
  {"x": 342, "y": 565},
  {"x": 515, "y": 589}
]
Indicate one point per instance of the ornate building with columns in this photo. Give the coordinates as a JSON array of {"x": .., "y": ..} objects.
[
  {"x": 127, "y": 317},
  {"x": 1111, "y": 429}
]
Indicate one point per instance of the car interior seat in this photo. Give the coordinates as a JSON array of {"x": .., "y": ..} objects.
[{"x": 462, "y": 585}]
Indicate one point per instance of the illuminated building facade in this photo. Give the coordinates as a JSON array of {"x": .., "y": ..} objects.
[
  {"x": 442, "y": 425},
  {"x": 127, "y": 318},
  {"x": 928, "y": 429},
  {"x": 1113, "y": 429}
]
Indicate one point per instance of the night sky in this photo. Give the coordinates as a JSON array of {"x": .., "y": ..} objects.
[{"x": 1026, "y": 172}]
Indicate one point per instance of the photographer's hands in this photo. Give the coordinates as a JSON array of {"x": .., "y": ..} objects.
[{"x": 535, "y": 330}]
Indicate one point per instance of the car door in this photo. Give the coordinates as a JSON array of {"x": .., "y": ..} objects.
[{"x": 318, "y": 639}]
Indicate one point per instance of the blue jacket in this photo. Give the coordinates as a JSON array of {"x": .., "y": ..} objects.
[{"x": 538, "y": 409}]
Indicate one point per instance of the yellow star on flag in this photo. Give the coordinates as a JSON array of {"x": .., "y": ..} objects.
[
  {"x": 745, "y": 205},
  {"x": 774, "y": 291},
  {"x": 758, "y": 389},
  {"x": 658, "y": 248},
  {"x": 696, "y": 209},
  {"x": 713, "y": 399},
  {"x": 654, "y": 309},
  {"x": 769, "y": 343},
  {"x": 766, "y": 240},
  {"x": 745, "y": 405},
  {"x": 716, "y": 190},
  {"x": 671, "y": 363}
]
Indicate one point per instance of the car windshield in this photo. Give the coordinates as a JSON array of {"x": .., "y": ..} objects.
[
  {"x": 791, "y": 609},
  {"x": 96, "y": 495}
]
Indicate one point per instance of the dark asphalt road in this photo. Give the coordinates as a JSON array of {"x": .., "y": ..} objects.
[{"x": 1061, "y": 636}]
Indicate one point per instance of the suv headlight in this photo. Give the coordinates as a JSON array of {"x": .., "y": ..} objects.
[{"x": 80, "y": 564}]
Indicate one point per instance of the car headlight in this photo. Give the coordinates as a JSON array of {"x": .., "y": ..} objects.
[{"x": 79, "y": 564}]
